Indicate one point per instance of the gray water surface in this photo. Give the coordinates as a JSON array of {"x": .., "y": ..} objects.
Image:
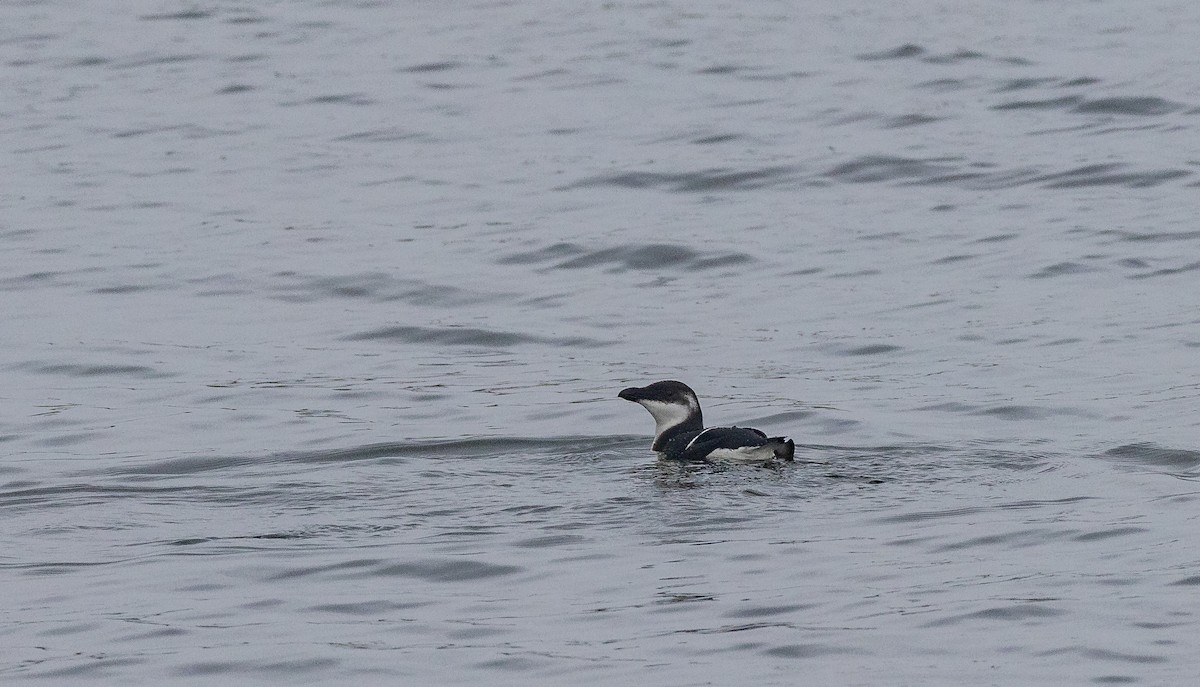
[{"x": 315, "y": 315}]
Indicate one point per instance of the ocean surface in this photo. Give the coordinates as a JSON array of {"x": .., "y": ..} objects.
[{"x": 314, "y": 315}]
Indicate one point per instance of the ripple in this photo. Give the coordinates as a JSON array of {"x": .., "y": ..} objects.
[
  {"x": 384, "y": 135},
  {"x": 904, "y": 121},
  {"x": 716, "y": 138},
  {"x": 96, "y": 370},
  {"x": 1020, "y": 84},
  {"x": 1107, "y": 175},
  {"x": 356, "y": 99},
  {"x": 1061, "y": 269},
  {"x": 1022, "y": 612},
  {"x": 154, "y": 60},
  {"x": 432, "y": 570},
  {"x": 461, "y": 448},
  {"x": 808, "y": 651},
  {"x": 1109, "y": 655},
  {"x": 1060, "y": 103},
  {"x": 275, "y": 669},
  {"x": 956, "y": 171},
  {"x": 549, "y": 541},
  {"x": 1154, "y": 236},
  {"x": 177, "y": 16},
  {"x": 766, "y": 611},
  {"x": 653, "y": 256},
  {"x": 365, "y": 608},
  {"x": 447, "y": 570},
  {"x": 1168, "y": 271},
  {"x": 1151, "y": 455},
  {"x": 96, "y": 666},
  {"x": 1139, "y": 106},
  {"x": 1109, "y": 533},
  {"x": 921, "y": 516},
  {"x": 693, "y": 182},
  {"x": 67, "y": 494},
  {"x": 379, "y": 287},
  {"x": 875, "y": 168},
  {"x": 469, "y": 337},
  {"x": 427, "y": 67},
  {"x": 873, "y": 349},
  {"x": 898, "y": 53},
  {"x": 954, "y": 57},
  {"x": 1014, "y": 539},
  {"x": 1017, "y": 412}
]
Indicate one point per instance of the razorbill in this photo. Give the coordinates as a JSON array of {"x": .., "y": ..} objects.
[{"x": 679, "y": 432}]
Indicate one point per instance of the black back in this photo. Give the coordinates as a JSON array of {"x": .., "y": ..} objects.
[{"x": 707, "y": 441}]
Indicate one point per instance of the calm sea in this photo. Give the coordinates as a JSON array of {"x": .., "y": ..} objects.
[{"x": 314, "y": 315}]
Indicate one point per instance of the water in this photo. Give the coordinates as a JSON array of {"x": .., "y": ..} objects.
[{"x": 315, "y": 315}]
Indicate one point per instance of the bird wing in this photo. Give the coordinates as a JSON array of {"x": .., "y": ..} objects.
[{"x": 715, "y": 438}]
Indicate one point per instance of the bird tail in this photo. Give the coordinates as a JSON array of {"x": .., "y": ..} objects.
[{"x": 784, "y": 448}]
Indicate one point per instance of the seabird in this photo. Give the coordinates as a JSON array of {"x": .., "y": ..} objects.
[{"x": 679, "y": 432}]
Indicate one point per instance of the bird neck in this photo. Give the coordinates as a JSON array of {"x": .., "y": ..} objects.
[{"x": 692, "y": 423}]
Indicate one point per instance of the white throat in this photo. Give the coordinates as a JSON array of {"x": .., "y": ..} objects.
[{"x": 667, "y": 415}]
